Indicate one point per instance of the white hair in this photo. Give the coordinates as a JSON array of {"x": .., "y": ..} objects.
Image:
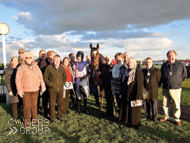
[
  {"x": 28, "y": 54},
  {"x": 133, "y": 60}
]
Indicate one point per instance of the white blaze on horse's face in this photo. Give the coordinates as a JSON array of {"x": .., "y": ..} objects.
[{"x": 94, "y": 53}]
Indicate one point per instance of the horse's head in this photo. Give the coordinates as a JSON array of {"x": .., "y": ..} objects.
[
  {"x": 94, "y": 51},
  {"x": 97, "y": 63},
  {"x": 94, "y": 56}
]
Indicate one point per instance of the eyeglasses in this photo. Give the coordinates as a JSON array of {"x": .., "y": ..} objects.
[{"x": 28, "y": 57}]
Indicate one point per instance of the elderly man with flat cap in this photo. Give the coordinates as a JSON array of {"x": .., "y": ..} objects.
[{"x": 21, "y": 55}]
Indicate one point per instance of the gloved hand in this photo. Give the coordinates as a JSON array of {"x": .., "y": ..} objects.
[
  {"x": 82, "y": 78},
  {"x": 21, "y": 95}
]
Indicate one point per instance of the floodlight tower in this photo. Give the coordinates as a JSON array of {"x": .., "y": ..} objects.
[{"x": 4, "y": 30}]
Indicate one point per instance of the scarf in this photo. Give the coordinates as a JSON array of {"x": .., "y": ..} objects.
[
  {"x": 131, "y": 74},
  {"x": 116, "y": 70}
]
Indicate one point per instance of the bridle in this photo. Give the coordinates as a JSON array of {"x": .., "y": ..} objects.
[{"x": 95, "y": 69}]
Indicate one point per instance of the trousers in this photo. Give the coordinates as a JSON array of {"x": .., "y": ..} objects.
[{"x": 175, "y": 95}]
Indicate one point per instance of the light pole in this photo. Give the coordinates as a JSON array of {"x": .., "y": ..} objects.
[{"x": 4, "y": 30}]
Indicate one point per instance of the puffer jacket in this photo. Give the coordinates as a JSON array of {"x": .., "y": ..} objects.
[{"x": 29, "y": 79}]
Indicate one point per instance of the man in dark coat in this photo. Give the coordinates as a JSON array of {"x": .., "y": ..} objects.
[
  {"x": 55, "y": 78},
  {"x": 152, "y": 77},
  {"x": 42, "y": 56},
  {"x": 45, "y": 96},
  {"x": 173, "y": 74}
]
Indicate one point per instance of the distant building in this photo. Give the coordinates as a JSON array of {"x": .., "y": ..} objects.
[
  {"x": 186, "y": 62},
  {"x": 157, "y": 63}
]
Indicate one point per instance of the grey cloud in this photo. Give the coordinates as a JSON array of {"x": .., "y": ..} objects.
[
  {"x": 63, "y": 46},
  {"x": 13, "y": 38},
  {"x": 55, "y": 17},
  {"x": 120, "y": 35},
  {"x": 19, "y": 39},
  {"x": 177, "y": 25},
  {"x": 60, "y": 43}
]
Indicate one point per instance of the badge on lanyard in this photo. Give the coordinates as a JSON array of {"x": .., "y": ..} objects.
[
  {"x": 147, "y": 80},
  {"x": 170, "y": 73}
]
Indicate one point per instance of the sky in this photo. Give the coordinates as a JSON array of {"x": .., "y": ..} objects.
[{"x": 145, "y": 28}]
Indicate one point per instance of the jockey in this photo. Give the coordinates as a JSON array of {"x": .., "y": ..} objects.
[{"x": 80, "y": 72}]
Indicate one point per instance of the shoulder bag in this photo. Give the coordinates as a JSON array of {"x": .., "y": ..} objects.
[{"x": 68, "y": 86}]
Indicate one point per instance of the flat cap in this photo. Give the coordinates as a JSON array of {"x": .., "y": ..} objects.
[{"x": 21, "y": 50}]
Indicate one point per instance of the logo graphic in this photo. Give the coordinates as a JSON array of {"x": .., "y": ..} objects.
[
  {"x": 13, "y": 130},
  {"x": 18, "y": 126}
]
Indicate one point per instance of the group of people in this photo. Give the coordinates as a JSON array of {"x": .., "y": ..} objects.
[{"x": 123, "y": 82}]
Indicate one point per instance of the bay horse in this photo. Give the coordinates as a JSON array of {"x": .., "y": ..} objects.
[
  {"x": 188, "y": 71},
  {"x": 97, "y": 66}
]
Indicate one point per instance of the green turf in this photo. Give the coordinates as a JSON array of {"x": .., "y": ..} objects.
[
  {"x": 2, "y": 81},
  {"x": 95, "y": 127},
  {"x": 185, "y": 94}
]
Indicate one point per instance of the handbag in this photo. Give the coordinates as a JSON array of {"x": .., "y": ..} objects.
[
  {"x": 68, "y": 86},
  {"x": 145, "y": 94}
]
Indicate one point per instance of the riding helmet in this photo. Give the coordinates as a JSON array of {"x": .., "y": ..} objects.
[{"x": 80, "y": 53}]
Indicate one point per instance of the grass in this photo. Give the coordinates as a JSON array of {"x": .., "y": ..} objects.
[
  {"x": 95, "y": 127},
  {"x": 185, "y": 94},
  {"x": 2, "y": 81}
]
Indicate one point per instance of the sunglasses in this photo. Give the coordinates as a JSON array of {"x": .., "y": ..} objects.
[{"x": 28, "y": 57}]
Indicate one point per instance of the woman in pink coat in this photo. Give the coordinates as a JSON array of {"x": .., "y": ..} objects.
[{"x": 28, "y": 80}]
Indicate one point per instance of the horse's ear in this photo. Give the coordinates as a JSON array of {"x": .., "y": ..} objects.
[
  {"x": 91, "y": 46},
  {"x": 97, "y": 47}
]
